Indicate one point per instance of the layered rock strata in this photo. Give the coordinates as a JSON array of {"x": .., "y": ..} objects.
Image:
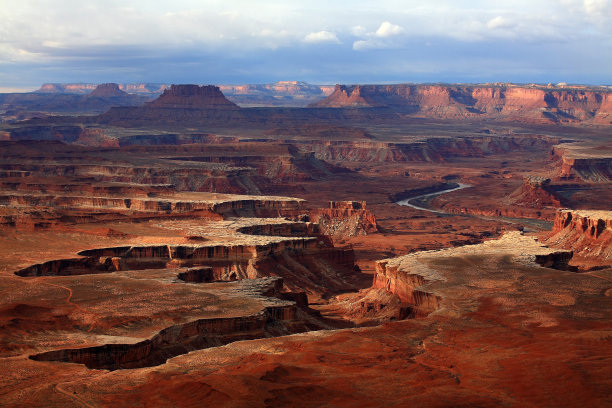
[
  {"x": 192, "y": 97},
  {"x": 410, "y": 277},
  {"x": 587, "y": 233},
  {"x": 589, "y": 163},
  {"x": 279, "y": 319},
  {"x": 455, "y": 101}
]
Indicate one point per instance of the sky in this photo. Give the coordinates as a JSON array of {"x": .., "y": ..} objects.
[{"x": 317, "y": 41}]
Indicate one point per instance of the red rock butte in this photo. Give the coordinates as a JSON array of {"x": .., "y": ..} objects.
[
  {"x": 107, "y": 90},
  {"x": 193, "y": 97}
]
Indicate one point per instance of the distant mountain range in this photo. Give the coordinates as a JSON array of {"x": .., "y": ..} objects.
[
  {"x": 283, "y": 93},
  {"x": 221, "y": 104},
  {"x": 83, "y": 89},
  {"x": 88, "y": 99}
]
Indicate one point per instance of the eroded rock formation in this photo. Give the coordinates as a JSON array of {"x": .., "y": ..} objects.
[
  {"x": 583, "y": 161},
  {"x": 281, "y": 319},
  {"x": 192, "y": 97},
  {"x": 535, "y": 192},
  {"x": 453, "y": 101},
  {"x": 107, "y": 91},
  {"x": 344, "y": 219},
  {"x": 587, "y": 233}
]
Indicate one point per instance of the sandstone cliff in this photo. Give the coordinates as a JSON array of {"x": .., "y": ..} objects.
[
  {"x": 456, "y": 101},
  {"x": 589, "y": 163},
  {"x": 587, "y": 233}
]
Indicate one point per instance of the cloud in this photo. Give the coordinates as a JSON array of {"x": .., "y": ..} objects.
[
  {"x": 322, "y": 37},
  {"x": 361, "y": 45},
  {"x": 52, "y": 44},
  {"x": 358, "y": 31},
  {"x": 61, "y": 40},
  {"x": 383, "y": 37},
  {"x": 500, "y": 22},
  {"x": 387, "y": 29},
  {"x": 597, "y": 8}
]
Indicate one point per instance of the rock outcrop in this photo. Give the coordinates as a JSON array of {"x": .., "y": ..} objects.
[
  {"x": 344, "y": 219},
  {"x": 110, "y": 90},
  {"x": 587, "y": 233},
  {"x": 535, "y": 192},
  {"x": 407, "y": 286},
  {"x": 589, "y": 163},
  {"x": 192, "y": 97}
]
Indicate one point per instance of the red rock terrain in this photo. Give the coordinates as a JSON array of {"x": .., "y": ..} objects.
[
  {"x": 283, "y": 93},
  {"x": 107, "y": 90},
  {"x": 191, "y": 252},
  {"x": 192, "y": 97},
  {"x": 97, "y": 99},
  {"x": 587, "y": 233},
  {"x": 451, "y": 101}
]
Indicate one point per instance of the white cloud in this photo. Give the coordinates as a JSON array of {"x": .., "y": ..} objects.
[
  {"x": 597, "y": 8},
  {"x": 51, "y": 44},
  {"x": 387, "y": 29},
  {"x": 322, "y": 37},
  {"x": 500, "y": 22},
  {"x": 358, "y": 31},
  {"x": 384, "y": 37},
  {"x": 362, "y": 45}
]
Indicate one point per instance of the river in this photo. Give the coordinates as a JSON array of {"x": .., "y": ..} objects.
[
  {"x": 421, "y": 202},
  {"x": 414, "y": 202}
]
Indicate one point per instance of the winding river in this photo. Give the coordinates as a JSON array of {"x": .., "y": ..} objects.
[
  {"x": 421, "y": 202},
  {"x": 423, "y": 199}
]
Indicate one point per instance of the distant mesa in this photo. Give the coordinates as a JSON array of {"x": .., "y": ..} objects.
[
  {"x": 192, "y": 97},
  {"x": 79, "y": 89},
  {"x": 145, "y": 89},
  {"x": 107, "y": 91},
  {"x": 282, "y": 93},
  {"x": 347, "y": 96},
  {"x": 550, "y": 104}
]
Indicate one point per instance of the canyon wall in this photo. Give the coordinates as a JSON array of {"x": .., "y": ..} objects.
[
  {"x": 587, "y": 161},
  {"x": 437, "y": 149},
  {"x": 459, "y": 101},
  {"x": 406, "y": 286},
  {"x": 587, "y": 233}
]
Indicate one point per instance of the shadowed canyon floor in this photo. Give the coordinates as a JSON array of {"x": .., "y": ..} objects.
[{"x": 164, "y": 261}]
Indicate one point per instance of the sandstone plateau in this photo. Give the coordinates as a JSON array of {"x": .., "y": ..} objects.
[
  {"x": 448, "y": 101},
  {"x": 392, "y": 245}
]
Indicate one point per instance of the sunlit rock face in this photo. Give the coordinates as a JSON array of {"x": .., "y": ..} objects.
[{"x": 505, "y": 100}]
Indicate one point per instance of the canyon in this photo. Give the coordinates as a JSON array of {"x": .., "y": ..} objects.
[{"x": 228, "y": 245}]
